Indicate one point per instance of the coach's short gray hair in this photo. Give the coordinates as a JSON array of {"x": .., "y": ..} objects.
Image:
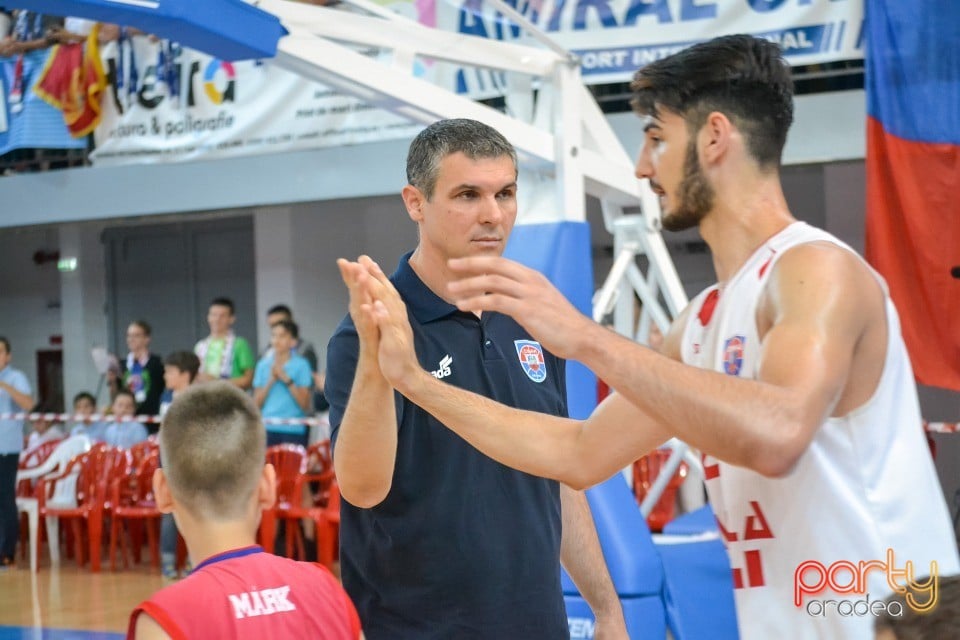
[{"x": 460, "y": 135}]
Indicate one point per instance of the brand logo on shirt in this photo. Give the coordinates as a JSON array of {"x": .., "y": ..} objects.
[
  {"x": 264, "y": 602},
  {"x": 843, "y": 576},
  {"x": 444, "y": 369},
  {"x": 531, "y": 359},
  {"x": 733, "y": 355}
]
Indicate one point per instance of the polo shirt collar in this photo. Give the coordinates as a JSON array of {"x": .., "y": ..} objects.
[{"x": 423, "y": 303}]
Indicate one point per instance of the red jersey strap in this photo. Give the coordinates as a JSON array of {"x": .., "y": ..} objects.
[{"x": 708, "y": 307}]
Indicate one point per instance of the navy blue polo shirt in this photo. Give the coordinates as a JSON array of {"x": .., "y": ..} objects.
[{"x": 462, "y": 547}]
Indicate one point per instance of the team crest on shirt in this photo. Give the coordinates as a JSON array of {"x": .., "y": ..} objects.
[
  {"x": 733, "y": 355},
  {"x": 531, "y": 359}
]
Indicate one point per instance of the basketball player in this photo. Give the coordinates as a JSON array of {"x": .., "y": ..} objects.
[{"x": 790, "y": 374}]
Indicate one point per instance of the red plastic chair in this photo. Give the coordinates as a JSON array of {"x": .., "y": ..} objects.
[
  {"x": 326, "y": 518},
  {"x": 79, "y": 494},
  {"x": 132, "y": 501},
  {"x": 142, "y": 450},
  {"x": 320, "y": 465},
  {"x": 645, "y": 472},
  {"x": 31, "y": 460},
  {"x": 290, "y": 462}
]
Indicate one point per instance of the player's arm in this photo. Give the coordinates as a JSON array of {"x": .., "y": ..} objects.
[
  {"x": 578, "y": 453},
  {"x": 817, "y": 308},
  {"x": 366, "y": 447}
]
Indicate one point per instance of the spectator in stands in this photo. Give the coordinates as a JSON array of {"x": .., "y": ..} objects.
[
  {"x": 44, "y": 429},
  {"x": 84, "y": 406},
  {"x": 224, "y": 355},
  {"x": 281, "y": 385},
  {"x": 303, "y": 347},
  {"x": 141, "y": 372},
  {"x": 306, "y": 349},
  {"x": 15, "y": 396},
  {"x": 179, "y": 371},
  {"x": 32, "y": 31},
  {"x": 122, "y": 431}
]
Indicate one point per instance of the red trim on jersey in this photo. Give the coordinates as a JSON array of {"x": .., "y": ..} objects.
[
  {"x": 160, "y": 617},
  {"x": 708, "y": 307},
  {"x": 710, "y": 471},
  {"x": 766, "y": 264}
]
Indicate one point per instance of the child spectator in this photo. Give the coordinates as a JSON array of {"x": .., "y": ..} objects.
[
  {"x": 179, "y": 371},
  {"x": 124, "y": 433},
  {"x": 216, "y": 484},
  {"x": 84, "y": 406},
  {"x": 282, "y": 385}
]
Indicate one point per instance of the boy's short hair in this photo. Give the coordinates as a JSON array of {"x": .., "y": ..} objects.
[
  {"x": 280, "y": 308},
  {"x": 289, "y": 326},
  {"x": 186, "y": 361},
  {"x": 943, "y": 621},
  {"x": 213, "y": 448},
  {"x": 223, "y": 302},
  {"x": 84, "y": 395},
  {"x": 123, "y": 391},
  {"x": 144, "y": 326}
]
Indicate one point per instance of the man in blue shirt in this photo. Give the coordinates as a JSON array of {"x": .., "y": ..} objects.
[
  {"x": 15, "y": 397},
  {"x": 438, "y": 540},
  {"x": 282, "y": 385}
]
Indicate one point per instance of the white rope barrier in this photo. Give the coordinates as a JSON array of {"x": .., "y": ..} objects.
[{"x": 143, "y": 419}]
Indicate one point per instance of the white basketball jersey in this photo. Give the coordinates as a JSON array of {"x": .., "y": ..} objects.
[{"x": 865, "y": 485}]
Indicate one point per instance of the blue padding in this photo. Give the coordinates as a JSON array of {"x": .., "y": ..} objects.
[
  {"x": 699, "y": 591},
  {"x": 36, "y": 633},
  {"x": 561, "y": 251},
  {"x": 227, "y": 29},
  {"x": 644, "y": 617},
  {"x": 631, "y": 556},
  {"x": 699, "y": 521}
]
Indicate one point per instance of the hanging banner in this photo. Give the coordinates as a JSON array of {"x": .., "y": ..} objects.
[
  {"x": 616, "y": 37},
  {"x": 165, "y": 103}
]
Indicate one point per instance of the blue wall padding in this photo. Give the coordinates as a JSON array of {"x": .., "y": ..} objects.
[
  {"x": 698, "y": 591},
  {"x": 631, "y": 556},
  {"x": 561, "y": 251},
  {"x": 643, "y": 615}
]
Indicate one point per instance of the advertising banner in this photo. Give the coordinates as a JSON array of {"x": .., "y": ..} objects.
[{"x": 165, "y": 103}]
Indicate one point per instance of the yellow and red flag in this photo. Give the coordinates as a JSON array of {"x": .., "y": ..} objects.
[{"x": 73, "y": 81}]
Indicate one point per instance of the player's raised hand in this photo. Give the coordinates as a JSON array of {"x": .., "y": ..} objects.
[
  {"x": 397, "y": 354},
  {"x": 355, "y": 276},
  {"x": 499, "y": 284}
]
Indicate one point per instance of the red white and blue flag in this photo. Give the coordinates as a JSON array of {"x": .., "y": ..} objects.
[{"x": 913, "y": 174}]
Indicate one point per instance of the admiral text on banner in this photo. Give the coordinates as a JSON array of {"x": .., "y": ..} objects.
[{"x": 615, "y": 37}]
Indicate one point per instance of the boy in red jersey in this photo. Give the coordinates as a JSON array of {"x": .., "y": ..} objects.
[{"x": 214, "y": 481}]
